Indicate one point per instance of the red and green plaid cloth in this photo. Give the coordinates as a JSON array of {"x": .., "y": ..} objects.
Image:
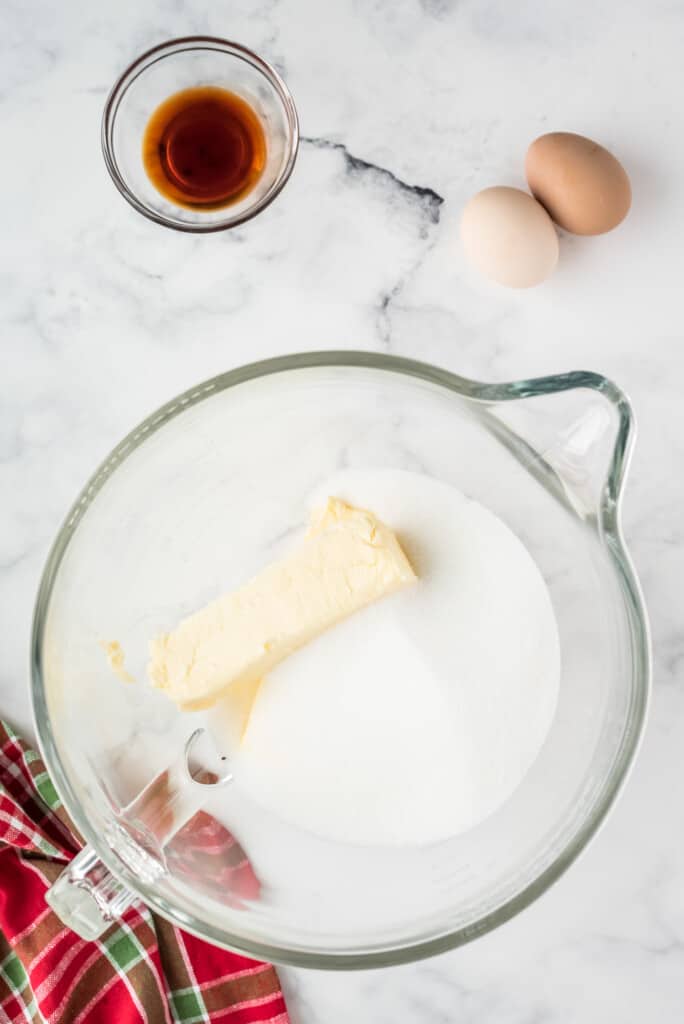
[{"x": 143, "y": 969}]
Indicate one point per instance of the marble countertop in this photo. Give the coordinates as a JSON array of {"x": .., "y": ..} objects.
[{"x": 406, "y": 108}]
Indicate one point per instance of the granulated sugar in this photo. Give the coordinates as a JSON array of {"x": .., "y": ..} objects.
[{"x": 419, "y": 716}]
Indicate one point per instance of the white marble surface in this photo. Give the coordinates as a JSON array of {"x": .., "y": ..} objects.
[{"x": 406, "y": 109}]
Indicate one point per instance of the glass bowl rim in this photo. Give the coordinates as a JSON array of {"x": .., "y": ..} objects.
[
  {"x": 167, "y": 49},
  {"x": 611, "y": 533}
]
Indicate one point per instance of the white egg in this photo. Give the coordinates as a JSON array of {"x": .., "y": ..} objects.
[{"x": 509, "y": 237}]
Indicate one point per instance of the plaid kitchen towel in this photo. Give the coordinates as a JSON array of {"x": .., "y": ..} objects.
[{"x": 143, "y": 969}]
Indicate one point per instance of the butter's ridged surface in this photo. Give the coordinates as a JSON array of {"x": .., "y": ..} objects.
[{"x": 347, "y": 560}]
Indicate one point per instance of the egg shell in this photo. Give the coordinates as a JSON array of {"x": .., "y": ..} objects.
[
  {"x": 584, "y": 188},
  {"x": 509, "y": 237}
]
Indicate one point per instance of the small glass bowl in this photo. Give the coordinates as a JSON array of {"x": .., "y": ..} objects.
[
  {"x": 179, "y": 512},
  {"x": 181, "y": 64}
]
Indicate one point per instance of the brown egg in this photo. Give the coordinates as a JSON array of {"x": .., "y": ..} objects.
[{"x": 580, "y": 183}]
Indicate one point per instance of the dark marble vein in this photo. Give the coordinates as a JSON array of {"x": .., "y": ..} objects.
[{"x": 430, "y": 201}]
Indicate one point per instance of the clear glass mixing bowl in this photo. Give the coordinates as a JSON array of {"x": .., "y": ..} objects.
[{"x": 168, "y": 521}]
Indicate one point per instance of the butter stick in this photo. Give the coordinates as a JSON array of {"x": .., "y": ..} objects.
[{"x": 347, "y": 560}]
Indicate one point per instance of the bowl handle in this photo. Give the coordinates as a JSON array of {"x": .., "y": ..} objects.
[{"x": 87, "y": 897}]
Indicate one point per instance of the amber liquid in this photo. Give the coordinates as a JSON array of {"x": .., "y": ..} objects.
[{"x": 204, "y": 148}]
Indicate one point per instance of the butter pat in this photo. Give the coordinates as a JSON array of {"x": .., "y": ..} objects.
[
  {"x": 347, "y": 560},
  {"x": 115, "y": 657}
]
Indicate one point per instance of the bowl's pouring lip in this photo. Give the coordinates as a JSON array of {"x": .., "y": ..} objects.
[{"x": 611, "y": 536}]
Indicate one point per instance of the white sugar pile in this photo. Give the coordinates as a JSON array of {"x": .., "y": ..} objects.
[{"x": 418, "y": 717}]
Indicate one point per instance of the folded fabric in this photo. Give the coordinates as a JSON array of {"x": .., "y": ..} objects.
[{"x": 142, "y": 969}]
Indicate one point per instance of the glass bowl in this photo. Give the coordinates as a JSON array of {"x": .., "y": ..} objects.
[
  {"x": 169, "y": 519},
  {"x": 182, "y": 64}
]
